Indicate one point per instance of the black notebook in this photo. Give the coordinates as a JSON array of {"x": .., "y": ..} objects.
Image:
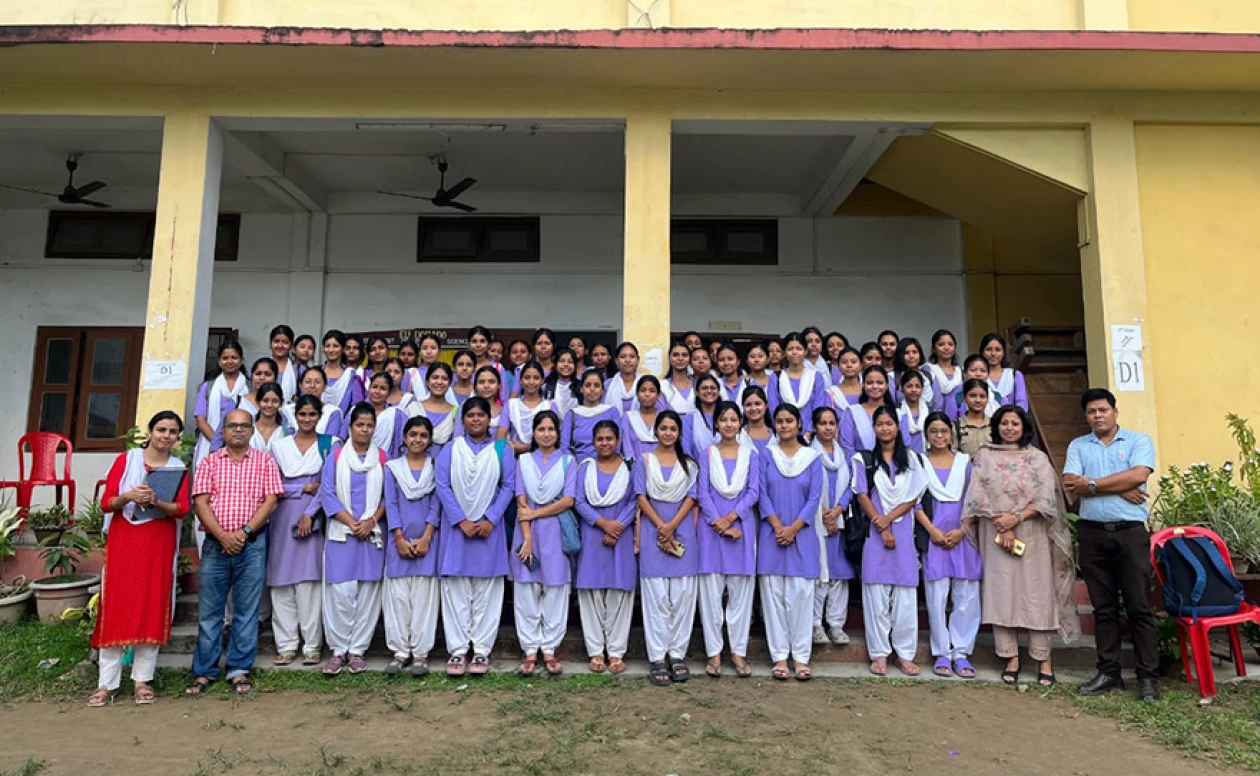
[{"x": 165, "y": 484}]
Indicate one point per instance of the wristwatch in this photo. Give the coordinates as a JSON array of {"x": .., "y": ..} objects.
[
  {"x": 249, "y": 532},
  {"x": 1093, "y": 487}
]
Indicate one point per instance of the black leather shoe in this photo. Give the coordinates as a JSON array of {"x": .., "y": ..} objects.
[
  {"x": 1148, "y": 690},
  {"x": 1101, "y": 683}
]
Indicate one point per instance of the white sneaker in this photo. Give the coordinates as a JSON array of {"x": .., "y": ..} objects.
[
  {"x": 820, "y": 635},
  {"x": 838, "y": 636}
]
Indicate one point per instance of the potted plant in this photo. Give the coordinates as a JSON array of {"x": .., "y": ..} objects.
[
  {"x": 15, "y": 595},
  {"x": 92, "y": 520},
  {"x": 63, "y": 589},
  {"x": 50, "y": 522}
]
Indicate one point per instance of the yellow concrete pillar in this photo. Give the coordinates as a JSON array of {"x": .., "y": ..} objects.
[
  {"x": 645, "y": 300},
  {"x": 178, "y": 314},
  {"x": 1113, "y": 266}
]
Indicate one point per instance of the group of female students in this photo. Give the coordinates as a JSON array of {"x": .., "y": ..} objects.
[{"x": 412, "y": 486}]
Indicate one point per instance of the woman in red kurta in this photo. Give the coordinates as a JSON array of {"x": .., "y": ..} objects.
[{"x": 139, "y": 573}]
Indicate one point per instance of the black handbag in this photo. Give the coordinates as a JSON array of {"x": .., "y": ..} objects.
[{"x": 857, "y": 526}]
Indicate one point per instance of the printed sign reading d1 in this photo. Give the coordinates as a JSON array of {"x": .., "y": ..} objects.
[
  {"x": 1129, "y": 375},
  {"x": 165, "y": 375}
]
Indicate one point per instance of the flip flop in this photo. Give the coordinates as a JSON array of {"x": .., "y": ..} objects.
[
  {"x": 198, "y": 686},
  {"x": 743, "y": 670},
  {"x": 616, "y": 666},
  {"x": 907, "y": 667},
  {"x": 713, "y": 669},
  {"x": 597, "y": 665},
  {"x": 144, "y": 695},
  {"x": 942, "y": 667},
  {"x": 879, "y": 666},
  {"x": 527, "y": 667},
  {"x": 964, "y": 669},
  {"x": 780, "y": 673},
  {"x": 553, "y": 667},
  {"x": 312, "y": 658},
  {"x": 283, "y": 659},
  {"x": 804, "y": 673},
  {"x": 100, "y": 698}
]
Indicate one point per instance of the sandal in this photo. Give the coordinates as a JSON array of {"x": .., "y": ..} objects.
[
  {"x": 879, "y": 666},
  {"x": 616, "y": 666},
  {"x": 527, "y": 666},
  {"x": 1046, "y": 680},
  {"x": 943, "y": 667},
  {"x": 678, "y": 671},
  {"x": 804, "y": 673},
  {"x": 397, "y": 665},
  {"x": 479, "y": 666},
  {"x": 658, "y": 674},
  {"x": 284, "y": 659},
  {"x": 713, "y": 669},
  {"x": 419, "y": 668},
  {"x": 198, "y": 686},
  {"x": 553, "y": 666},
  {"x": 1010, "y": 675},
  {"x": 311, "y": 658},
  {"x": 100, "y": 698},
  {"x": 242, "y": 685},
  {"x": 780, "y": 672},
  {"x": 144, "y": 694},
  {"x": 964, "y": 668},
  {"x": 597, "y": 666},
  {"x": 742, "y": 669},
  {"x": 907, "y": 667},
  {"x": 456, "y": 666}
]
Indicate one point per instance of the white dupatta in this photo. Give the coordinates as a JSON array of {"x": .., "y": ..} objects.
[
  {"x": 348, "y": 462},
  {"x": 288, "y": 380},
  {"x": 542, "y": 488},
  {"x": 522, "y": 416},
  {"x": 733, "y": 394},
  {"x": 673, "y": 490},
  {"x": 950, "y": 491},
  {"x": 641, "y": 430},
  {"x": 615, "y": 391},
  {"x": 906, "y": 486},
  {"x": 474, "y": 477},
  {"x": 732, "y": 487},
  {"x": 821, "y": 367},
  {"x": 133, "y": 476},
  {"x": 413, "y": 488},
  {"x": 294, "y": 463},
  {"x": 386, "y": 422},
  {"x": 915, "y": 421},
  {"x": 862, "y": 425},
  {"x": 258, "y": 442},
  {"x": 702, "y": 436},
  {"x": 444, "y": 430},
  {"x": 948, "y": 384},
  {"x": 616, "y": 488},
  {"x": 1005, "y": 386},
  {"x": 217, "y": 392},
  {"x": 584, "y": 411},
  {"x": 678, "y": 402},
  {"x": 335, "y": 391},
  {"x": 832, "y": 462},
  {"x": 807, "y": 388}
]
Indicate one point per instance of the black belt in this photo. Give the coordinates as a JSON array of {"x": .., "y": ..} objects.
[{"x": 1113, "y": 526}]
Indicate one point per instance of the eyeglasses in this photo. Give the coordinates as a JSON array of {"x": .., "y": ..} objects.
[{"x": 237, "y": 426}]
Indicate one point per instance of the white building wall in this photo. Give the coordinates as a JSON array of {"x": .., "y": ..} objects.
[{"x": 855, "y": 274}]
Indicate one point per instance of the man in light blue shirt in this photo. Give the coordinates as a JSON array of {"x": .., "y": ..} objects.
[{"x": 1107, "y": 471}]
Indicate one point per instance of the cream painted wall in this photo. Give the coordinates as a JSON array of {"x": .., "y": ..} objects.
[
  {"x": 1203, "y": 16},
  {"x": 1199, "y": 189},
  {"x": 877, "y": 14},
  {"x": 872, "y": 272}
]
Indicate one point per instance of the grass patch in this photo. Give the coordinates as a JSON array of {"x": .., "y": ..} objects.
[
  {"x": 1225, "y": 730},
  {"x": 25, "y": 769},
  {"x": 24, "y": 645}
]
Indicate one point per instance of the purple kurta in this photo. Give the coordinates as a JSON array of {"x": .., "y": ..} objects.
[
  {"x": 553, "y": 566},
  {"x": 771, "y": 388},
  {"x": 961, "y": 562},
  {"x": 913, "y": 440},
  {"x": 852, "y": 438},
  {"x": 354, "y": 560},
  {"x": 291, "y": 560},
  {"x": 789, "y": 499},
  {"x": 395, "y": 446},
  {"x": 951, "y": 403},
  {"x": 761, "y": 444},
  {"x": 880, "y": 565},
  {"x": 698, "y": 434},
  {"x": 625, "y": 403},
  {"x": 514, "y": 433},
  {"x": 817, "y": 398},
  {"x": 718, "y": 554},
  {"x": 577, "y": 433},
  {"x": 1018, "y": 396},
  {"x": 653, "y": 561},
  {"x": 598, "y": 566},
  {"x": 838, "y": 565},
  {"x": 411, "y": 517},
  {"x": 476, "y": 557},
  {"x": 437, "y": 418},
  {"x": 202, "y": 409},
  {"x": 631, "y": 446}
]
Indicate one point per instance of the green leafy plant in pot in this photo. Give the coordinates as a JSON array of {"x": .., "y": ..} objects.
[
  {"x": 64, "y": 588},
  {"x": 15, "y": 594},
  {"x": 50, "y": 522}
]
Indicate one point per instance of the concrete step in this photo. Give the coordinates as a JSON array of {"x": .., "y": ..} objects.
[{"x": 1078, "y": 656}]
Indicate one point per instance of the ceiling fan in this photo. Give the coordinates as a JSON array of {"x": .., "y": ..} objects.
[
  {"x": 70, "y": 195},
  {"x": 443, "y": 197}
]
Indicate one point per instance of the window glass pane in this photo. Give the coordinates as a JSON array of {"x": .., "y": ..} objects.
[
  {"x": 450, "y": 241},
  {"x": 689, "y": 241},
  {"x": 123, "y": 237},
  {"x": 57, "y": 365},
  {"x": 108, "y": 361},
  {"x": 507, "y": 240},
  {"x": 103, "y": 415},
  {"x": 75, "y": 235},
  {"x": 745, "y": 242},
  {"x": 52, "y": 412}
]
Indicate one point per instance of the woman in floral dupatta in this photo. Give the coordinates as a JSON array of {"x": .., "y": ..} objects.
[{"x": 1015, "y": 495}]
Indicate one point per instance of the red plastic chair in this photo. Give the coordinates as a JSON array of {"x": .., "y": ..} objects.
[
  {"x": 1196, "y": 631},
  {"x": 43, "y": 447}
]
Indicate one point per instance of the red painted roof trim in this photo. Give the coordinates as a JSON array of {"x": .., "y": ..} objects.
[{"x": 632, "y": 39}]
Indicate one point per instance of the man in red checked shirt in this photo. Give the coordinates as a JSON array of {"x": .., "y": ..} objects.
[{"x": 234, "y": 491}]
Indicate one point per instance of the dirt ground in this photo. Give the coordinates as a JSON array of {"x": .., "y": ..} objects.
[{"x": 704, "y": 727}]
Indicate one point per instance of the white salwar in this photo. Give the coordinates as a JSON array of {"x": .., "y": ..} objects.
[
  {"x": 297, "y": 609},
  {"x": 787, "y": 606},
  {"x": 737, "y": 614},
  {"x": 352, "y": 608},
  {"x": 542, "y": 615},
  {"x": 833, "y": 597},
  {"x": 605, "y": 617},
  {"x": 144, "y": 663},
  {"x": 411, "y": 615},
  {"x": 953, "y": 636},
  {"x": 890, "y": 609},
  {"x": 471, "y": 608},
  {"x": 669, "y": 614}
]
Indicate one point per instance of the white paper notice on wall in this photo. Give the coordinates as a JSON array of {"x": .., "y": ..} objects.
[
  {"x": 1126, "y": 358},
  {"x": 652, "y": 362},
  {"x": 165, "y": 375}
]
